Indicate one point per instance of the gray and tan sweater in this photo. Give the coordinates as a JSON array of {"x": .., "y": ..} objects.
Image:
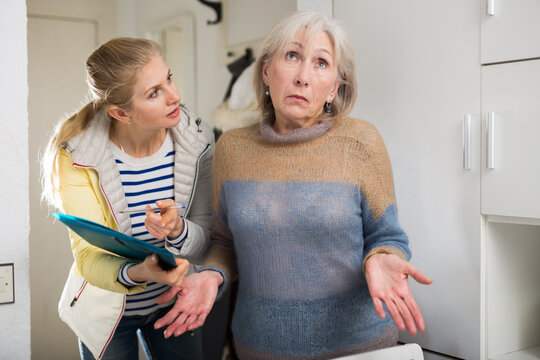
[{"x": 296, "y": 215}]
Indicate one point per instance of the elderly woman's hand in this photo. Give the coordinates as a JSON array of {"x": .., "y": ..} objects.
[
  {"x": 167, "y": 223},
  {"x": 387, "y": 278},
  {"x": 195, "y": 299}
]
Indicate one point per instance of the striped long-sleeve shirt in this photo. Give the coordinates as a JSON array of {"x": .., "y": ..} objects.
[{"x": 146, "y": 180}]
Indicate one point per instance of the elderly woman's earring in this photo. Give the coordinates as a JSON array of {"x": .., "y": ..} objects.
[
  {"x": 129, "y": 122},
  {"x": 267, "y": 92},
  {"x": 327, "y": 107}
]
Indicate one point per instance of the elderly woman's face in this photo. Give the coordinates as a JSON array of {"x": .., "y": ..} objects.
[{"x": 301, "y": 78}]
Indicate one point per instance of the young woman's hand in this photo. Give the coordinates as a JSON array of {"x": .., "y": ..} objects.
[
  {"x": 195, "y": 299},
  {"x": 150, "y": 270},
  {"x": 387, "y": 278},
  {"x": 166, "y": 223}
]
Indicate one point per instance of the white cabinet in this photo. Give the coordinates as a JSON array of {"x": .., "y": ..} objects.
[
  {"x": 512, "y": 32},
  {"x": 423, "y": 66},
  {"x": 511, "y": 95},
  {"x": 510, "y": 55}
]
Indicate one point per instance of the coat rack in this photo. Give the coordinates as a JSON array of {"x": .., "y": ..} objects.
[{"x": 216, "y": 6}]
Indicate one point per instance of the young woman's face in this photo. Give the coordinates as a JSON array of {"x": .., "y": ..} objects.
[
  {"x": 155, "y": 97},
  {"x": 301, "y": 78}
]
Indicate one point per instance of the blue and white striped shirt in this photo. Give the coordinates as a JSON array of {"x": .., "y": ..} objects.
[{"x": 146, "y": 180}]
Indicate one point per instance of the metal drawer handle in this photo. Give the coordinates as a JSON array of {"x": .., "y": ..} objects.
[
  {"x": 490, "y": 141},
  {"x": 491, "y": 7},
  {"x": 467, "y": 142}
]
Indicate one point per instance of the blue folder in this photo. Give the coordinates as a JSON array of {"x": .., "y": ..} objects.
[{"x": 116, "y": 242}]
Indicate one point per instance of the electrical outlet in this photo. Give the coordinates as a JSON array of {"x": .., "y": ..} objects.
[{"x": 7, "y": 286}]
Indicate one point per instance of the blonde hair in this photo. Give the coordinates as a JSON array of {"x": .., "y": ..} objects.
[
  {"x": 309, "y": 24},
  {"x": 112, "y": 71}
]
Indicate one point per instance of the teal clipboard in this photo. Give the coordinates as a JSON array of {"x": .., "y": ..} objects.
[{"x": 115, "y": 241}]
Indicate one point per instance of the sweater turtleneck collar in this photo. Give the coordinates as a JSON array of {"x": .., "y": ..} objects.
[{"x": 295, "y": 136}]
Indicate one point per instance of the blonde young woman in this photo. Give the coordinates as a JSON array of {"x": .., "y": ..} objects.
[
  {"x": 133, "y": 146},
  {"x": 305, "y": 213}
]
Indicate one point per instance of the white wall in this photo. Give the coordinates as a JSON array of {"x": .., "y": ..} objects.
[
  {"x": 324, "y": 6},
  {"x": 14, "y": 218},
  {"x": 259, "y": 16}
]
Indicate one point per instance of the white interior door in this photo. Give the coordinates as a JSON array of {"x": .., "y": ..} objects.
[
  {"x": 57, "y": 51},
  {"x": 511, "y": 92},
  {"x": 418, "y": 70}
]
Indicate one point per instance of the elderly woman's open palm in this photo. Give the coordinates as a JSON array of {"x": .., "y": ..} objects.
[
  {"x": 195, "y": 298},
  {"x": 387, "y": 278}
]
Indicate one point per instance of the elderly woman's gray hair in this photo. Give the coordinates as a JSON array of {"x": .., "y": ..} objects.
[{"x": 308, "y": 25}]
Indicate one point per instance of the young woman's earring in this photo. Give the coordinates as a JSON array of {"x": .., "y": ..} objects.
[
  {"x": 267, "y": 92},
  {"x": 129, "y": 122},
  {"x": 327, "y": 107}
]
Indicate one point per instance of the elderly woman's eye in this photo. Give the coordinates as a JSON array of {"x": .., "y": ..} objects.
[
  {"x": 291, "y": 55},
  {"x": 322, "y": 63}
]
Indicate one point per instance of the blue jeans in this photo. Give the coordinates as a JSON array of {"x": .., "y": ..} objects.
[{"x": 124, "y": 346}]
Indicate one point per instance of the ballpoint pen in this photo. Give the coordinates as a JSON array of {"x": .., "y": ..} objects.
[{"x": 155, "y": 208}]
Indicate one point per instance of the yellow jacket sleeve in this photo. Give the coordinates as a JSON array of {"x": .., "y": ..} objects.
[{"x": 81, "y": 196}]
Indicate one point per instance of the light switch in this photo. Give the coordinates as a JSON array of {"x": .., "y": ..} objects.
[{"x": 6, "y": 284}]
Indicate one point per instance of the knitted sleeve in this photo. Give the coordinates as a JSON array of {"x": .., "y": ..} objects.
[
  {"x": 221, "y": 254},
  {"x": 382, "y": 233}
]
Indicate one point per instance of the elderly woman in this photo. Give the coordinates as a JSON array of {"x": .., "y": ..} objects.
[{"x": 305, "y": 213}]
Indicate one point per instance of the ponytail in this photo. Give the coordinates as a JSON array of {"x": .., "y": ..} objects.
[{"x": 63, "y": 132}]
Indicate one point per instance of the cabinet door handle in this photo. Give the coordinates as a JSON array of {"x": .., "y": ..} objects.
[
  {"x": 467, "y": 142},
  {"x": 491, "y": 7},
  {"x": 490, "y": 141}
]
